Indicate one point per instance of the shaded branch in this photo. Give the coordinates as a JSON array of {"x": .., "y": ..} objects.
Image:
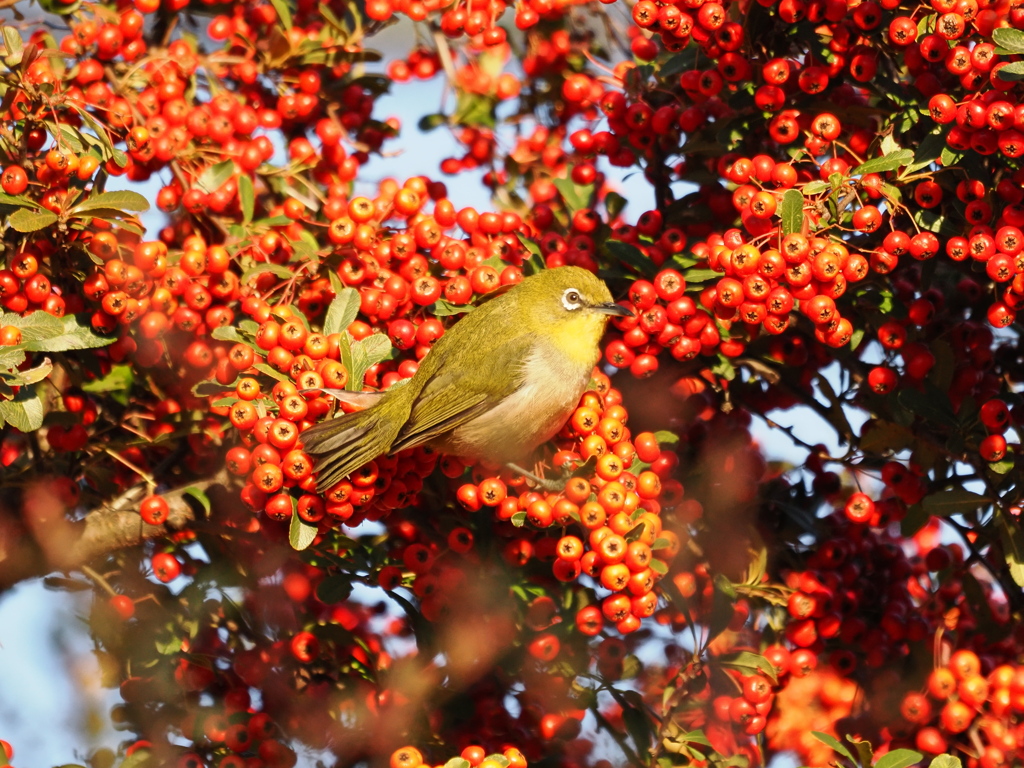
[{"x": 36, "y": 537}]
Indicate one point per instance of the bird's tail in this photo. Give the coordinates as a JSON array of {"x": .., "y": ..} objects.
[{"x": 344, "y": 444}]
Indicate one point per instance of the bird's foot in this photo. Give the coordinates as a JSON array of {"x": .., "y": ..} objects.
[{"x": 552, "y": 485}]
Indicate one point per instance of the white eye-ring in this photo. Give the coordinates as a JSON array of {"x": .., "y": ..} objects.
[{"x": 571, "y": 299}]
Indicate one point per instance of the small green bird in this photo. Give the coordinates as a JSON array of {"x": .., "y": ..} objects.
[{"x": 500, "y": 382}]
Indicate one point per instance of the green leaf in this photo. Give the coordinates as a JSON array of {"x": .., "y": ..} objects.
[
  {"x": 246, "y": 198},
  {"x": 18, "y": 201},
  {"x": 74, "y": 333},
  {"x": 11, "y": 357},
  {"x": 214, "y": 177},
  {"x": 342, "y": 311},
  {"x": 228, "y": 333},
  {"x": 36, "y": 326},
  {"x": 119, "y": 379},
  {"x": 120, "y": 200},
  {"x": 614, "y": 203},
  {"x": 953, "y": 501},
  {"x": 300, "y": 533},
  {"x": 283, "y": 12},
  {"x": 791, "y": 211},
  {"x": 444, "y": 308},
  {"x": 630, "y": 255},
  {"x": 1013, "y": 546},
  {"x": 14, "y": 47},
  {"x": 279, "y": 270},
  {"x": 474, "y": 110},
  {"x": 834, "y": 743},
  {"x": 695, "y": 276},
  {"x": 518, "y": 519},
  {"x": 1005, "y": 37},
  {"x": 141, "y": 758},
  {"x": 200, "y": 496},
  {"x": 334, "y": 589},
  {"x": 429, "y": 122},
  {"x": 535, "y": 263},
  {"x": 367, "y": 352},
  {"x": 749, "y": 663},
  {"x": 24, "y": 220},
  {"x": 889, "y": 162},
  {"x": 814, "y": 188},
  {"x": 36, "y": 374},
  {"x": 883, "y": 436},
  {"x": 1002, "y": 467},
  {"x": 24, "y": 412},
  {"x": 899, "y": 758},
  {"x": 266, "y": 370},
  {"x": 945, "y": 761},
  {"x": 575, "y": 196},
  {"x": 67, "y": 138},
  {"x": 1014, "y": 71},
  {"x": 949, "y": 158},
  {"x": 928, "y": 151},
  {"x": 457, "y": 762}
]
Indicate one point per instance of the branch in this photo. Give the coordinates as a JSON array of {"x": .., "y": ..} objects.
[{"x": 37, "y": 538}]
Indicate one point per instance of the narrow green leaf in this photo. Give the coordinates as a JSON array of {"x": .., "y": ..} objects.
[
  {"x": 24, "y": 220},
  {"x": 834, "y": 743},
  {"x": 246, "y": 198},
  {"x": 791, "y": 211},
  {"x": 890, "y": 162},
  {"x": 631, "y": 256},
  {"x": 263, "y": 267},
  {"x": 444, "y": 308},
  {"x": 953, "y": 501},
  {"x": 342, "y": 311},
  {"x": 899, "y": 758},
  {"x": 749, "y": 663},
  {"x": 200, "y": 496},
  {"x": 121, "y": 200},
  {"x": 300, "y": 533},
  {"x": 283, "y": 12},
  {"x": 694, "y": 276},
  {"x": 120, "y": 377},
  {"x": 268, "y": 371}
]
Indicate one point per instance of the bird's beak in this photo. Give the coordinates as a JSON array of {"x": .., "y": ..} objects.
[{"x": 613, "y": 309}]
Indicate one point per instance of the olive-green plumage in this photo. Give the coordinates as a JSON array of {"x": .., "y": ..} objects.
[{"x": 500, "y": 382}]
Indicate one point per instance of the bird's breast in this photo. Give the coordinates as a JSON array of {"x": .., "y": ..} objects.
[{"x": 552, "y": 383}]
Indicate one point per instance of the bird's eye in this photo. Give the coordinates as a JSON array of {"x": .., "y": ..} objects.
[{"x": 571, "y": 299}]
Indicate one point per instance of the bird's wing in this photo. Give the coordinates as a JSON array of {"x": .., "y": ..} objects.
[{"x": 457, "y": 394}]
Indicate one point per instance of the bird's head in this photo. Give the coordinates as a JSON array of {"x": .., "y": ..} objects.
[{"x": 566, "y": 295}]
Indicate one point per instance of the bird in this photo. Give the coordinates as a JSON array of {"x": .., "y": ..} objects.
[{"x": 500, "y": 382}]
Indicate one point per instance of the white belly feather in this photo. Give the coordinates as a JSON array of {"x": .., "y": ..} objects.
[{"x": 551, "y": 388}]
